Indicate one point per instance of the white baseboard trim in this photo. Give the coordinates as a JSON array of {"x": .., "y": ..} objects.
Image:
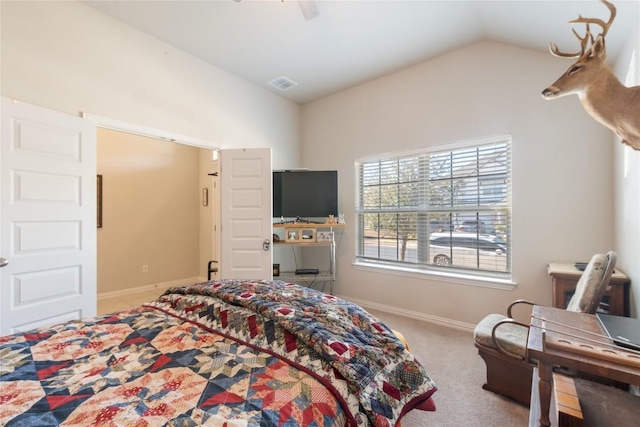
[
  {"x": 152, "y": 287},
  {"x": 413, "y": 314},
  {"x": 364, "y": 303}
]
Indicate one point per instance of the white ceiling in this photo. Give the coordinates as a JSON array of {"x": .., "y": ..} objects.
[{"x": 351, "y": 42}]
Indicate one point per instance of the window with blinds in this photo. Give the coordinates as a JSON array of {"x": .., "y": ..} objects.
[{"x": 438, "y": 209}]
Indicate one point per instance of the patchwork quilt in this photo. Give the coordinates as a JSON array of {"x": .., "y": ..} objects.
[{"x": 221, "y": 353}]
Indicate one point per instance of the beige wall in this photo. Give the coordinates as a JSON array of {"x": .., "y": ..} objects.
[
  {"x": 69, "y": 57},
  {"x": 210, "y": 214},
  {"x": 151, "y": 203},
  {"x": 562, "y": 168},
  {"x": 627, "y": 183}
]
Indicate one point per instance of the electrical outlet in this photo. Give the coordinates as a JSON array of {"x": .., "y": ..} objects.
[{"x": 145, "y": 268}]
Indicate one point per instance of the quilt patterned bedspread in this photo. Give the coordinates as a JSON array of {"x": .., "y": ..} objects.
[{"x": 222, "y": 353}]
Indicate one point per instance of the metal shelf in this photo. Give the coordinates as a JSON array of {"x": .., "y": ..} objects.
[
  {"x": 302, "y": 243},
  {"x": 325, "y": 276}
]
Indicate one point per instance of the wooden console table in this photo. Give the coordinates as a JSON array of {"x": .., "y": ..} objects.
[
  {"x": 548, "y": 357},
  {"x": 564, "y": 278}
]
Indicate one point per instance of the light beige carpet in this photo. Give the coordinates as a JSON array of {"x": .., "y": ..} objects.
[{"x": 453, "y": 363}]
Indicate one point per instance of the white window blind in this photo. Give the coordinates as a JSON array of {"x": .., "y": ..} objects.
[{"x": 445, "y": 209}]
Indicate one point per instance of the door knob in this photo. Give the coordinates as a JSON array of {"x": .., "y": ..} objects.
[
  {"x": 266, "y": 244},
  {"x": 3, "y": 262}
]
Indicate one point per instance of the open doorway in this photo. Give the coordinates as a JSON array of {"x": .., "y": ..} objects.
[{"x": 158, "y": 230}]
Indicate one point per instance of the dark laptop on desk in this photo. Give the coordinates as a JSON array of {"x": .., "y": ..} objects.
[{"x": 624, "y": 331}]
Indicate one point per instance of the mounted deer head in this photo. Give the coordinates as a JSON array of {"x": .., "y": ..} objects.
[{"x": 601, "y": 94}]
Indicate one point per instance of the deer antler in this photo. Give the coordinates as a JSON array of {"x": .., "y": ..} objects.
[
  {"x": 584, "y": 41},
  {"x": 602, "y": 95},
  {"x": 600, "y": 22}
]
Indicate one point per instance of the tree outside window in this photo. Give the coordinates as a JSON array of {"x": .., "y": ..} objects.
[{"x": 408, "y": 202}]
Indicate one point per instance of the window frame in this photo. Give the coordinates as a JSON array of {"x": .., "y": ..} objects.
[{"x": 423, "y": 231}]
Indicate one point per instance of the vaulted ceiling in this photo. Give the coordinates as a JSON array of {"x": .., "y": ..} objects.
[{"x": 351, "y": 42}]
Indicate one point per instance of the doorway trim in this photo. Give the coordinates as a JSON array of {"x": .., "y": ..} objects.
[
  {"x": 122, "y": 126},
  {"x": 162, "y": 135}
]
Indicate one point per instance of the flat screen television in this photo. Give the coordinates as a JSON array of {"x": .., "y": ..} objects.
[{"x": 305, "y": 194}]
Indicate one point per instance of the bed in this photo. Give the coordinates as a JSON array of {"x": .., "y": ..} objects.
[{"x": 227, "y": 353}]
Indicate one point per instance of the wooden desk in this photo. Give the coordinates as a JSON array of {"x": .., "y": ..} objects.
[
  {"x": 549, "y": 357},
  {"x": 564, "y": 278}
]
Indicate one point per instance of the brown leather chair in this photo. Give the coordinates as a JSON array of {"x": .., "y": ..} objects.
[{"x": 502, "y": 341}]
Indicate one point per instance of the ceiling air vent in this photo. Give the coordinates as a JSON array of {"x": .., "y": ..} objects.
[{"x": 283, "y": 83}]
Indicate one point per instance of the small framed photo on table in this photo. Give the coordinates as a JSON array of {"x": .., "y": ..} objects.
[
  {"x": 292, "y": 235},
  {"x": 324, "y": 236}
]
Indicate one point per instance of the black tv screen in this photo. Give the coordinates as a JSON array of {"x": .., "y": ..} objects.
[{"x": 305, "y": 194}]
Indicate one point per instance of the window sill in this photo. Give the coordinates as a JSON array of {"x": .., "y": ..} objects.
[{"x": 452, "y": 277}]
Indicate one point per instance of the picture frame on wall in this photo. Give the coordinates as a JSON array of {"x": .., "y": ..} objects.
[{"x": 99, "y": 201}]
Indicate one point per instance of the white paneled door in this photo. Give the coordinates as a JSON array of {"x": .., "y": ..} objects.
[
  {"x": 47, "y": 217},
  {"x": 245, "y": 214}
]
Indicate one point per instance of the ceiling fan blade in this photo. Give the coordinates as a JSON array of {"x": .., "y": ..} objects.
[{"x": 309, "y": 9}]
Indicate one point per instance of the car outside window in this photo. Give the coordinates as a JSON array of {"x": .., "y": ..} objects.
[{"x": 445, "y": 209}]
